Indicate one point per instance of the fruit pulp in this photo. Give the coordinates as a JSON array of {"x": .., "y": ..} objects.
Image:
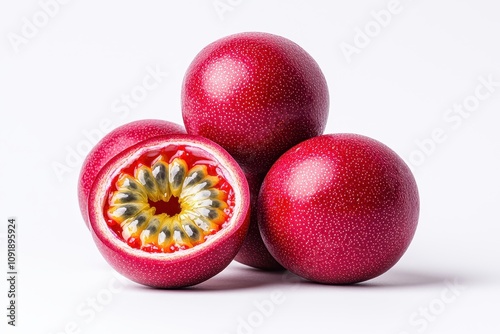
[{"x": 168, "y": 200}]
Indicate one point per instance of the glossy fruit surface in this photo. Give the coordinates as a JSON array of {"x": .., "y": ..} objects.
[
  {"x": 113, "y": 143},
  {"x": 171, "y": 211},
  {"x": 255, "y": 94},
  {"x": 338, "y": 209}
]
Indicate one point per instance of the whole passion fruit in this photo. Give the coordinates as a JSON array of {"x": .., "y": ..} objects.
[
  {"x": 255, "y": 94},
  {"x": 338, "y": 209},
  {"x": 113, "y": 143},
  {"x": 171, "y": 211}
]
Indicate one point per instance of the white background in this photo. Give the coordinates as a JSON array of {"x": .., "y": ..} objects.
[{"x": 67, "y": 78}]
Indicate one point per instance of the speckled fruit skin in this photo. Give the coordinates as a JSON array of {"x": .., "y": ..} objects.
[
  {"x": 255, "y": 94},
  {"x": 181, "y": 268},
  {"x": 338, "y": 209},
  {"x": 113, "y": 143},
  {"x": 253, "y": 252}
]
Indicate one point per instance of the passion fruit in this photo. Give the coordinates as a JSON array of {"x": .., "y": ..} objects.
[
  {"x": 171, "y": 211},
  {"x": 257, "y": 95},
  {"x": 113, "y": 143},
  {"x": 338, "y": 209}
]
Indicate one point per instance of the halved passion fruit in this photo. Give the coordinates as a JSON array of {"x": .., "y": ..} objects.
[{"x": 171, "y": 211}]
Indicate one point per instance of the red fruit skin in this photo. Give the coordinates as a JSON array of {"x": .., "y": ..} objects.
[
  {"x": 253, "y": 252},
  {"x": 113, "y": 143},
  {"x": 182, "y": 268},
  {"x": 255, "y": 94},
  {"x": 338, "y": 209}
]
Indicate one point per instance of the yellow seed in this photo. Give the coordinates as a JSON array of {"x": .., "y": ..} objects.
[
  {"x": 176, "y": 173},
  {"x": 181, "y": 239},
  {"x": 145, "y": 177},
  {"x": 121, "y": 212},
  {"x": 128, "y": 183},
  {"x": 149, "y": 235},
  {"x": 202, "y": 222},
  {"x": 160, "y": 173},
  {"x": 133, "y": 226},
  {"x": 207, "y": 182},
  {"x": 165, "y": 232}
]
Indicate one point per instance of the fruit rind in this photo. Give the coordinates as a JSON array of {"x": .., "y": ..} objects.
[
  {"x": 339, "y": 209},
  {"x": 111, "y": 144}
]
